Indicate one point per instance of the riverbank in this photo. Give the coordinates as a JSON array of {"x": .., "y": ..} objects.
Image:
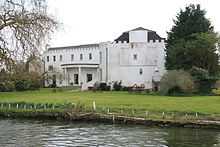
[
  {"x": 118, "y": 107},
  {"x": 110, "y": 118}
]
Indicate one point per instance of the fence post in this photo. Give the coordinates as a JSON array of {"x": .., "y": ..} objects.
[
  {"x": 186, "y": 115},
  {"x": 163, "y": 115},
  {"x": 2, "y": 105},
  {"x": 146, "y": 114},
  {"x": 94, "y": 106},
  {"x": 24, "y": 106},
  {"x": 108, "y": 111},
  {"x": 196, "y": 115},
  {"x": 9, "y": 106},
  {"x": 113, "y": 118},
  {"x": 53, "y": 106},
  {"x": 17, "y": 106}
]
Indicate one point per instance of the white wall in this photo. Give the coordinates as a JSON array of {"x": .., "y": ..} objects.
[
  {"x": 138, "y": 36},
  {"x": 115, "y": 60},
  {"x": 122, "y": 65}
]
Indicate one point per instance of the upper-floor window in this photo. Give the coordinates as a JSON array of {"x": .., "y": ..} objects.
[
  {"x": 54, "y": 58},
  {"x": 81, "y": 56},
  {"x": 61, "y": 58},
  {"x": 141, "y": 71},
  {"x": 135, "y": 56},
  {"x": 48, "y": 58},
  {"x": 72, "y": 57},
  {"x": 90, "y": 56},
  {"x": 50, "y": 68}
]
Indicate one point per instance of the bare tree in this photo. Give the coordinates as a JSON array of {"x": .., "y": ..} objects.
[{"x": 24, "y": 27}]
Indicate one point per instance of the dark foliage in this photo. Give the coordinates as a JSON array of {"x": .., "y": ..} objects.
[
  {"x": 192, "y": 42},
  {"x": 204, "y": 83},
  {"x": 117, "y": 86}
]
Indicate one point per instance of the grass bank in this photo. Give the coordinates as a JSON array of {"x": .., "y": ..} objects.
[{"x": 122, "y": 102}]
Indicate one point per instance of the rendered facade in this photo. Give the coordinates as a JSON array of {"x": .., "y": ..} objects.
[{"x": 136, "y": 57}]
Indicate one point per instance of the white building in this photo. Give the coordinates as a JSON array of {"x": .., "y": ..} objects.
[{"x": 135, "y": 57}]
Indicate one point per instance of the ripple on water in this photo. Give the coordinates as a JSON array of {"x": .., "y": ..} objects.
[{"x": 53, "y": 134}]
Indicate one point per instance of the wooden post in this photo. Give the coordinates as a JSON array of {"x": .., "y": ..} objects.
[
  {"x": 53, "y": 106},
  {"x": 163, "y": 115},
  {"x": 146, "y": 114},
  {"x": 94, "y": 106},
  {"x": 24, "y": 106},
  {"x": 113, "y": 118},
  {"x": 45, "y": 107},
  {"x": 186, "y": 116},
  {"x": 108, "y": 111},
  {"x": 196, "y": 115},
  {"x": 9, "y": 106},
  {"x": 17, "y": 106}
]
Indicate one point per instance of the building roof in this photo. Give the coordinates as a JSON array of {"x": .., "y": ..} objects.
[
  {"x": 140, "y": 28},
  {"x": 152, "y": 35},
  {"x": 77, "y": 46}
]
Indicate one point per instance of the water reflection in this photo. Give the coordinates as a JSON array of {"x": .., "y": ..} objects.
[
  {"x": 49, "y": 133},
  {"x": 192, "y": 137}
]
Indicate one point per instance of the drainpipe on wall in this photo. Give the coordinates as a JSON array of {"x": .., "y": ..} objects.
[{"x": 106, "y": 65}]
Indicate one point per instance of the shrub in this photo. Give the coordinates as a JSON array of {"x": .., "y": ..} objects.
[
  {"x": 204, "y": 83},
  {"x": 102, "y": 86},
  {"x": 34, "y": 85},
  {"x": 125, "y": 88},
  {"x": 176, "y": 82},
  {"x": 6, "y": 86},
  {"x": 20, "y": 85},
  {"x": 117, "y": 86}
]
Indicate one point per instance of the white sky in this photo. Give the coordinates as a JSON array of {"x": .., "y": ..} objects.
[{"x": 94, "y": 21}]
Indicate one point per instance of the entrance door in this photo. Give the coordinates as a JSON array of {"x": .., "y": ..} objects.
[
  {"x": 76, "y": 78},
  {"x": 89, "y": 77}
]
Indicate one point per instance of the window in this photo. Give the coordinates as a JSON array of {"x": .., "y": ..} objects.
[
  {"x": 61, "y": 57},
  {"x": 81, "y": 56},
  {"x": 72, "y": 57},
  {"x": 76, "y": 79},
  {"x": 48, "y": 58},
  {"x": 54, "y": 58},
  {"x": 135, "y": 56},
  {"x": 50, "y": 68},
  {"x": 90, "y": 56},
  {"x": 89, "y": 77},
  {"x": 141, "y": 71}
]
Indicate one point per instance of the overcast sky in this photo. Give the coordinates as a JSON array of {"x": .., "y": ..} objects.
[{"x": 94, "y": 21}]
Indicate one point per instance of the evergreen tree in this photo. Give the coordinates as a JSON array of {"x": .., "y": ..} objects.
[{"x": 192, "y": 42}]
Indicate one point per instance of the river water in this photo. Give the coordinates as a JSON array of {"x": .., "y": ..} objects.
[{"x": 26, "y": 133}]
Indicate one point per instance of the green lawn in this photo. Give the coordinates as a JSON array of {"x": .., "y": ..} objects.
[{"x": 118, "y": 100}]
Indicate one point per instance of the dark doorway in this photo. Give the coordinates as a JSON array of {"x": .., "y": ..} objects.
[
  {"x": 54, "y": 84},
  {"x": 89, "y": 77},
  {"x": 76, "y": 78}
]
